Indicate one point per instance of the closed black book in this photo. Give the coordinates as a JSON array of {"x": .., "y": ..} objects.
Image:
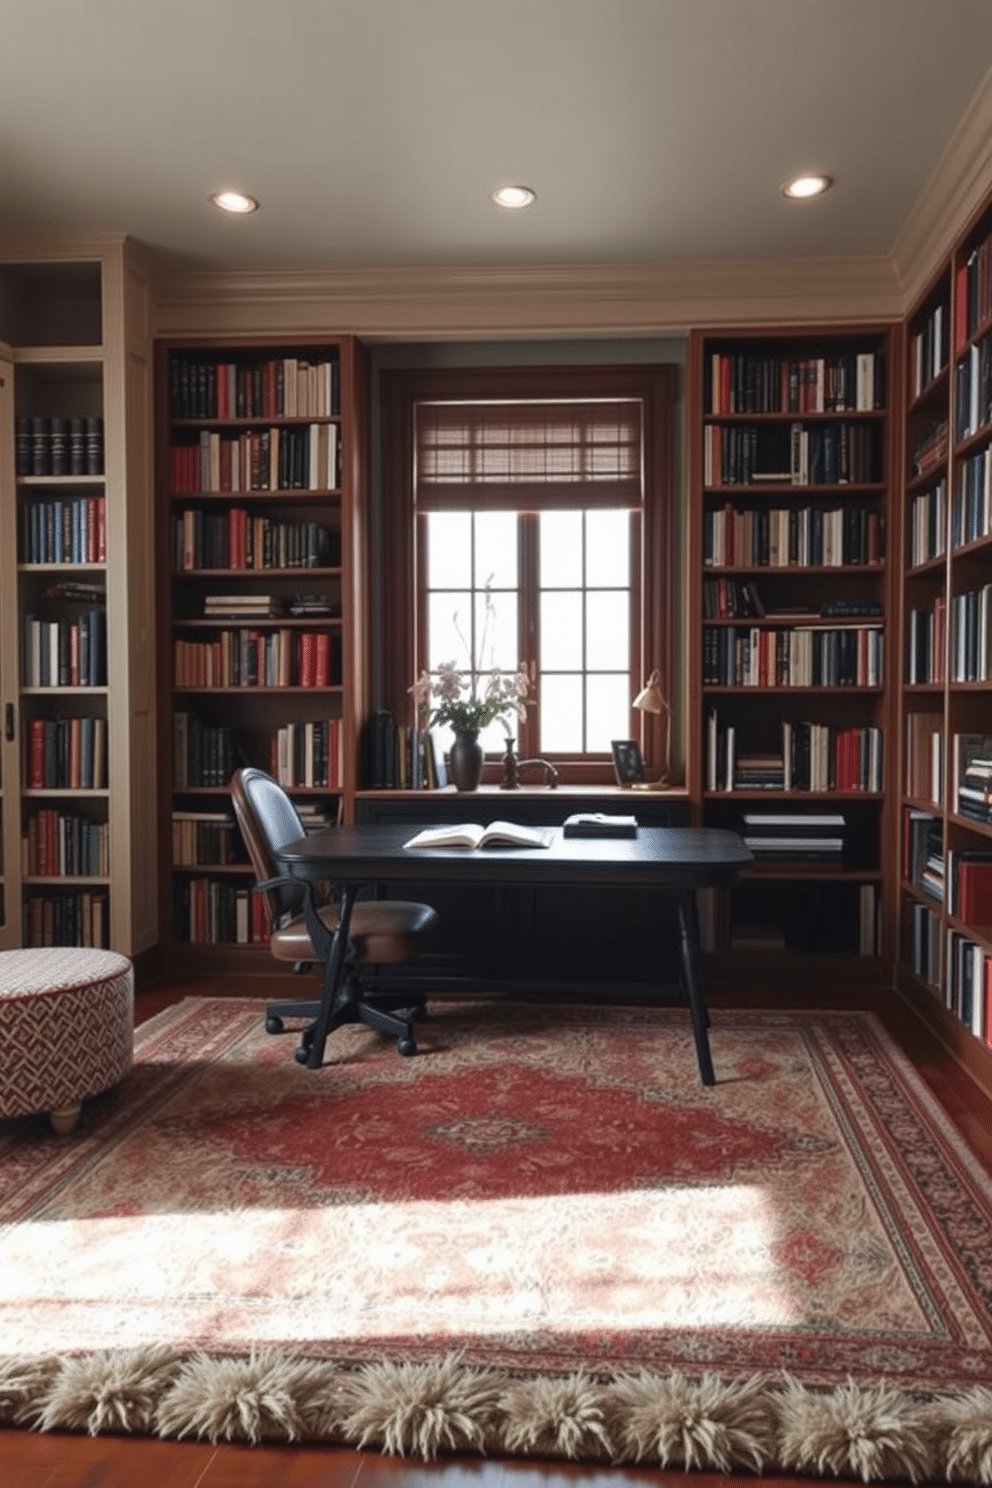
[{"x": 599, "y": 824}]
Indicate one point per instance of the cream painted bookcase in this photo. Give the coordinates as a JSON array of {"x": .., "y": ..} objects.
[{"x": 77, "y": 654}]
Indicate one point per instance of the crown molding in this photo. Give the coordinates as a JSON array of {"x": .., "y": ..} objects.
[
  {"x": 418, "y": 302},
  {"x": 955, "y": 191}
]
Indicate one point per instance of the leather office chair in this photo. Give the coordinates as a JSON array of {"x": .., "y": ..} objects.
[{"x": 382, "y": 931}]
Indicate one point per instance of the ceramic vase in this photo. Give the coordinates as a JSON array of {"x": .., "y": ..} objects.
[{"x": 465, "y": 760}]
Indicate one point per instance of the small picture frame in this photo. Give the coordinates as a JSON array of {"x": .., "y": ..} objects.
[{"x": 627, "y": 762}]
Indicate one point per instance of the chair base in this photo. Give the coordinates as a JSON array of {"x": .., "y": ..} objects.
[{"x": 382, "y": 1014}]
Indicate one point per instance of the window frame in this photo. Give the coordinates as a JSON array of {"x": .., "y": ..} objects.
[{"x": 652, "y": 582}]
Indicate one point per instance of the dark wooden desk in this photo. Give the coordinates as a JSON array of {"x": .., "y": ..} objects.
[{"x": 674, "y": 860}]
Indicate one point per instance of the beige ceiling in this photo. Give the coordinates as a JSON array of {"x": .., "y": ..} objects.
[{"x": 373, "y": 130}]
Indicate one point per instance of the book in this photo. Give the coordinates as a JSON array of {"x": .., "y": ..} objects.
[
  {"x": 471, "y": 835},
  {"x": 599, "y": 824}
]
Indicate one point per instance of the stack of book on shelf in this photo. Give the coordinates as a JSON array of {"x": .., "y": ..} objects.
[
  {"x": 973, "y": 389},
  {"x": 308, "y": 753},
  {"x": 925, "y": 643},
  {"x": 929, "y": 350},
  {"x": 67, "y": 753},
  {"x": 315, "y": 816},
  {"x": 931, "y": 450},
  {"x": 973, "y": 777},
  {"x": 242, "y": 606},
  {"x": 926, "y": 526},
  {"x": 923, "y": 852},
  {"x": 787, "y": 836}
]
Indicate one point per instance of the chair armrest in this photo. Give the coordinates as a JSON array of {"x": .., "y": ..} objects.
[{"x": 320, "y": 935}]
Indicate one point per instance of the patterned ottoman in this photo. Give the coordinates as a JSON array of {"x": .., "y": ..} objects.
[{"x": 66, "y": 1029}]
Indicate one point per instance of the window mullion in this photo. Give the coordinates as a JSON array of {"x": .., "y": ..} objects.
[{"x": 530, "y": 630}]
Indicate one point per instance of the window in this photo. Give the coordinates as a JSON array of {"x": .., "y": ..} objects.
[{"x": 528, "y": 512}]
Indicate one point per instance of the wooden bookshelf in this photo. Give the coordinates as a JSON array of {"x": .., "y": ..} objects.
[
  {"x": 262, "y": 656},
  {"x": 76, "y": 586},
  {"x": 945, "y": 717},
  {"x": 791, "y": 470}
]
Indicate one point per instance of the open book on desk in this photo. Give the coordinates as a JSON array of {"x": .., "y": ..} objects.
[{"x": 470, "y": 834}]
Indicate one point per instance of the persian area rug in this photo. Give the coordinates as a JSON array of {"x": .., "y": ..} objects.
[{"x": 541, "y": 1235}]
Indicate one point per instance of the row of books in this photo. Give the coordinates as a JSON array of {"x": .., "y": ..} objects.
[
  {"x": 399, "y": 757},
  {"x": 844, "y": 382},
  {"x": 968, "y": 984},
  {"x": 65, "y": 653},
  {"x": 971, "y": 508},
  {"x": 206, "y": 838},
  {"x": 238, "y": 539},
  {"x": 304, "y": 753},
  {"x": 973, "y": 293},
  {"x": 801, "y": 656},
  {"x": 973, "y": 390},
  {"x": 67, "y": 753},
  {"x": 925, "y": 642},
  {"x": 928, "y": 350},
  {"x": 971, "y": 635},
  {"x": 309, "y": 753},
  {"x": 63, "y": 844},
  {"x": 811, "y": 757},
  {"x": 926, "y": 526},
  {"x": 247, "y": 657},
  {"x": 277, "y": 387},
  {"x": 925, "y": 959},
  {"x": 930, "y": 450},
  {"x": 820, "y": 455},
  {"x": 304, "y": 458},
  {"x": 212, "y": 911},
  {"x": 77, "y": 918},
  {"x": 790, "y": 537},
  {"x": 47, "y": 445},
  {"x": 924, "y": 760},
  {"x": 71, "y": 529},
  {"x": 203, "y": 754}
]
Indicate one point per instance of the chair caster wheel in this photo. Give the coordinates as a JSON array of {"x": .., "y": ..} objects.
[
  {"x": 302, "y": 1054},
  {"x": 274, "y": 1024},
  {"x": 407, "y": 1046}
]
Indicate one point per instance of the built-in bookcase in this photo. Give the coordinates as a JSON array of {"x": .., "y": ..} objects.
[
  {"x": 791, "y": 469},
  {"x": 260, "y": 513},
  {"x": 76, "y": 655},
  {"x": 945, "y": 846}
]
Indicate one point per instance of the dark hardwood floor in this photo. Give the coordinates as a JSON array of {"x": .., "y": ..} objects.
[{"x": 60, "y": 1460}]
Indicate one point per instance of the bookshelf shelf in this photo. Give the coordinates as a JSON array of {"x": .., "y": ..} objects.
[{"x": 261, "y": 473}]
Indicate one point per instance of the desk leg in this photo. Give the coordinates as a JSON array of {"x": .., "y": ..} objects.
[
  {"x": 333, "y": 967},
  {"x": 693, "y": 976}
]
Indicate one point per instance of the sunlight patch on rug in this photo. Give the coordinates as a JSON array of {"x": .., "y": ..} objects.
[{"x": 434, "y": 1269}]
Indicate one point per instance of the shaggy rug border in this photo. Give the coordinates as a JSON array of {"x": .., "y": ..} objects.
[{"x": 758, "y": 1423}]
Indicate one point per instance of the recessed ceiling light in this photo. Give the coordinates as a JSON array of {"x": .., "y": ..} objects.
[
  {"x": 234, "y": 201},
  {"x": 513, "y": 198},
  {"x": 805, "y": 186}
]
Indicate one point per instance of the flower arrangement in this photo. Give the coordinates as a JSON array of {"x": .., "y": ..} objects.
[{"x": 468, "y": 701}]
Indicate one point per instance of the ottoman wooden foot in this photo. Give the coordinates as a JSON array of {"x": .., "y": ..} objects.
[{"x": 65, "y": 1120}]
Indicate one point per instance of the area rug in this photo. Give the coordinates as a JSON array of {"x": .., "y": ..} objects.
[{"x": 542, "y": 1235}]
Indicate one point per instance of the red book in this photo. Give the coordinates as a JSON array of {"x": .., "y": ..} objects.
[
  {"x": 308, "y": 660},
  {"x": 974, "y": 901},
  {"x": 322, "y": 659},
  {"x": 220, "y": 382},
  {"x": 36, "y": 766},
  {"x": 101, "y": 529},
  {"x": 961, "y": 307}
]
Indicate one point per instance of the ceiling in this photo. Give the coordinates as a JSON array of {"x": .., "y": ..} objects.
[{"x": 372, "y": 131}]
